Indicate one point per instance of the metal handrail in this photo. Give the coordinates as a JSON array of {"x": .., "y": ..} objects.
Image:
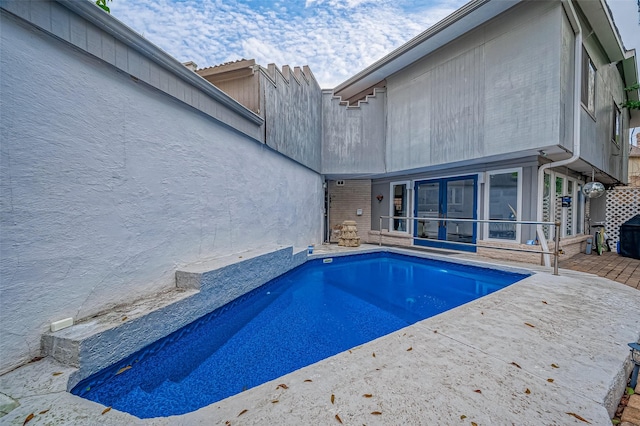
[{"x": 556, "y": 236}]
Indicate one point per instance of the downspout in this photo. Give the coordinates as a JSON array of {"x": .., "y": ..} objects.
[{"x": 577, "y": 85}]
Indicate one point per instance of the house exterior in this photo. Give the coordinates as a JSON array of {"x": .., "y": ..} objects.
[
  {"x": 132, "y": 165},
  {"x": 483, "y": 116},
  {"x": 498, "y": 112}
]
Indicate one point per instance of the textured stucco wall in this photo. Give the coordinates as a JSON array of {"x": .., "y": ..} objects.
[{"x": 108, "y": 186}]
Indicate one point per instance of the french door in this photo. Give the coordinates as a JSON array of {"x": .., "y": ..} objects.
[{"x": 442, "y": 201}]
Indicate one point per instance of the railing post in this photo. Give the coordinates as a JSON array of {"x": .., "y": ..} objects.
[
  {"x": 380, "y": 234},
  {"x": 556, "y": 250}
]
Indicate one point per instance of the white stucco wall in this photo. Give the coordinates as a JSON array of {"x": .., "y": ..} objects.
[{"x": 107, "y": 186}]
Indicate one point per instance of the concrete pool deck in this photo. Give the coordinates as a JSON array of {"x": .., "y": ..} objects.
[{"x": 546, "y": 350}]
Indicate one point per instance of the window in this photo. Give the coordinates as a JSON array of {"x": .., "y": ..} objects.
[
  {"x": 546, "y": 204},
  {"x": 588, "y": 83},
  {"x": 504, "y": 192},
  {"x": 455, "y": 195},
  {"x": 563, "y": 202},
  {"x": 399, "y": 206},
  {"x": 616, "y": 128}
]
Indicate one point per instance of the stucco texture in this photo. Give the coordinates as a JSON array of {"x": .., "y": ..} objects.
[{"x": 109, "y": 186}]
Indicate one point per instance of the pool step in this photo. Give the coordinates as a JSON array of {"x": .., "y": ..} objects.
[{"x": 100, "y": 341}]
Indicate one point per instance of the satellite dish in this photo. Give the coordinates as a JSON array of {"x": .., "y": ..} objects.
[{"x": 593, "y": 190}]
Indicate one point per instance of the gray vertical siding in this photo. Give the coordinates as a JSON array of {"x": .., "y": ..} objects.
[
  {"x": 353, "y": 137},
  {"x": 292, "y": 102},
  {"x": 596, "y": 130},
  {"x": 567, "y": 83},
  {"x": 523, "y": 82},
  {"x": 493, "y": 91}
]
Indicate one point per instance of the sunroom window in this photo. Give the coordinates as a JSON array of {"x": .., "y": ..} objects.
[
  {"x": 504, "y": 194},
  {"x": 399, "y": 206}
]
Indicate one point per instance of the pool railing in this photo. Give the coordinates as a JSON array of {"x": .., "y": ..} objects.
[{"x": 543, "y": 246}]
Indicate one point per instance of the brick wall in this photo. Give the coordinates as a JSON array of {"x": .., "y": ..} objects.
[
  {"x": 570, "y": 246},
  {"x": 390, "y": 238},
  {"x": 344, "y": 201}
]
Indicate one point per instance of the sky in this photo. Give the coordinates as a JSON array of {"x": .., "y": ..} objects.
[{"x": 336, "y": 38}]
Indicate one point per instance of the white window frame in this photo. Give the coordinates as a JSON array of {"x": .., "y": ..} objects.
[
  {"x": 589, "y": 70},
  {"x": 570, "y": 181},
  {"x": 617, "y": 129},
  {"x": 566, "y": 180},
  {"x": 487, "y": 203},
  {"x": 409, "y": 189}
]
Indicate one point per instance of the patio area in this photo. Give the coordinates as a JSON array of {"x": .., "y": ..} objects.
[
  {"x": 610, "y": 265},
  {"x": 546, "y": 350}
]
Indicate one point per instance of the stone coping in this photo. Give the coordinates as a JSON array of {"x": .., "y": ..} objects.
[
  {"x": 100, "y": 341},
  {"x": 533, "y": 353}
]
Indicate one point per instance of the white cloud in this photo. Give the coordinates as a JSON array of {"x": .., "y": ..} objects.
[{"x": 336, "y": 38}]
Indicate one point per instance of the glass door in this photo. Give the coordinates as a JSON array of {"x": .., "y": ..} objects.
[
  {"x": 441, "y": 201},
  {"x": 427, "y": 206},
  {"x": 460, "y": 204}
]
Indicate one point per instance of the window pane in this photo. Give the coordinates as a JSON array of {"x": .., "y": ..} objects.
[
  {"x": 617, "y": 126},
  {"x": 546, "y": 204},
  {"x": 591, "y": 105},
  {"x": 588, "y": 89},
  {"x": 569, "y": 224},
  {"x": 460, "y": 194},
  {"x": 503, "y": 201},
  {"x": 400, "y": 207},
  {"x": 558, "y": 203},
  {"x": 579, "y": 210},
  {"x": 428, "y": 206}
]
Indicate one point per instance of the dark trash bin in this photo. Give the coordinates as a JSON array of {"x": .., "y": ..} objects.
[{"x": 630, "y": 238}]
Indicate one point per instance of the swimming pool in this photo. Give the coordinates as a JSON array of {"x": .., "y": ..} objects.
[{"x": 317, "y": 310}]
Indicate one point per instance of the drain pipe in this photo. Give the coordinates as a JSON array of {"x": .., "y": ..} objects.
[{"x": 577, "y": 86}]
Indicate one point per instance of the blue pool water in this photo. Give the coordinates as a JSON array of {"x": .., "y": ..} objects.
[{"x": 313, "y": 312}]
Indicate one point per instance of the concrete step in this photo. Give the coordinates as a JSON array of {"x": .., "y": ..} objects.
[{"x": 95, "y": 343}]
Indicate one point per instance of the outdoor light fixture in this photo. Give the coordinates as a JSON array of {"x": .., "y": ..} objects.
[
  {"x": 593, "y": 189},
  {"x": 635, "y": 357},
  {"x": 380, "y": 197}
]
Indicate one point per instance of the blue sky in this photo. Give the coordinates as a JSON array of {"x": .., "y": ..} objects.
[{"x": 336, "y": 38}]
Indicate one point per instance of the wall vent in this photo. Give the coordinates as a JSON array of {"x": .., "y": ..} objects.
[{"x": 339, "y": 183}]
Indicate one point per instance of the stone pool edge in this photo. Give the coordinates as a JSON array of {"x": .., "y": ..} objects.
[
  {"x": 102, "y": 341},
  {"x": 48, "y": 388}
]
